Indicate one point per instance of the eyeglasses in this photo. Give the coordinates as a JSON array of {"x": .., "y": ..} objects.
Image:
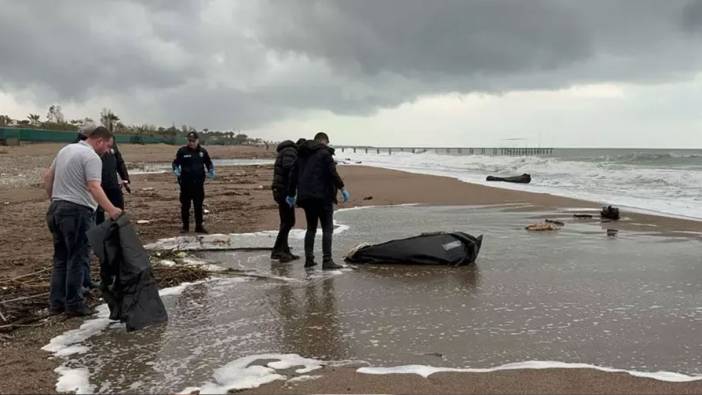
[{"x": 192, "y": 140}]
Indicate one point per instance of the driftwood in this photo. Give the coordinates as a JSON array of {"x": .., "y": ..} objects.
[{"x": 24, "y": 298}]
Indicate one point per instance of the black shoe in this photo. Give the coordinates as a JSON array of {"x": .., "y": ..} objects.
[
  {"x": 276, "y": 254},
  {"x": 292, "y": 256},
  {"x": 309, "y": 262},
  {"x": 56, "y": 310},
  {"x": 201, "y": 229},
  {"x": 82, "y": 312},
  {"x": 184, "y": 230},
  {"x": 330, "y": 265}
]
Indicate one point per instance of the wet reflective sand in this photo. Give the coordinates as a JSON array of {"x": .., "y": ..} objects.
[{"x": 629, "y": 301}]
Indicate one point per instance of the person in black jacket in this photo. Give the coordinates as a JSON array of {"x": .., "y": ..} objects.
[
  {"x": 317, "y": 182},
  {"x": 282, "y": 175},
  {"x": 189, "y": 167}
]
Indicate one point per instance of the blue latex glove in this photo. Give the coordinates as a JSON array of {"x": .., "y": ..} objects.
[
  {"x": 211, "y": 173},
  {"x": 346, "y": 195},
  {"x": 290, "y": 200},
  {"x": 176, "y": 171}
]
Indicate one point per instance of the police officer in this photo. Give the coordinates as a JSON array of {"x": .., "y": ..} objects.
[{"x": 189, "y": 167}]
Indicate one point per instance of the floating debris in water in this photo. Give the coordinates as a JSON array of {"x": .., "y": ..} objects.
[{"x": 542, "y": 227}]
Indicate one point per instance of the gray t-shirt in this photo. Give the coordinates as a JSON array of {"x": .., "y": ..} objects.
[{"x": 74, "y": 166}]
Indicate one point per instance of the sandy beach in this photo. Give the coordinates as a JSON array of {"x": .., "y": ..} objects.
[{"x": 239, "y": 200}]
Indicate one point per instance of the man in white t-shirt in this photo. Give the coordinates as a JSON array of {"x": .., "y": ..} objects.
[{"x": 73, "y": 184}]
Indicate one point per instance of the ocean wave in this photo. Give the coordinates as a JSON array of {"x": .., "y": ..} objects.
[{"x": 661, "y": 188}]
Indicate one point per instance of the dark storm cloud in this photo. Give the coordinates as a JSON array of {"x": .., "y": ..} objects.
[{"x": 224, "y": 64}]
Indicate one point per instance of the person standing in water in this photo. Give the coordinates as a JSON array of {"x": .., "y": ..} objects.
[{"x": 317, "y": 182}]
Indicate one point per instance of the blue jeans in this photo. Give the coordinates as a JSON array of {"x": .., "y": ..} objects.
[{"x": 68, "y": 223}]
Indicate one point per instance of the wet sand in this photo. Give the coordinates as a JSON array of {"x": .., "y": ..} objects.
[
  {"x": 238, "y": 205},
  {"x": 576, "y": 296},
  {"x": 548, "y": 381}
]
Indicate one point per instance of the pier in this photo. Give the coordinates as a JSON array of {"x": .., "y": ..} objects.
[{"x": 503, "y": 151}]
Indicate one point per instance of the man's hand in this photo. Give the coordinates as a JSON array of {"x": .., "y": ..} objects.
[
  {"x": 211, "y": 173},
  {"x": 290, "y": 200},
  {"x": 346, "y": 195},
  {"x": 125, "y": 184},
  {"x": 115, "y": 212},
  {"x": 176, "y": 171}
]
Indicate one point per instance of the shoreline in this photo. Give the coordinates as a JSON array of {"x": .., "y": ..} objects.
[
  {"x": 511, "y": 187},
  {"x": 240, "y": 201}
]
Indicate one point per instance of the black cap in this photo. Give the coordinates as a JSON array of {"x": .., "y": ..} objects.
[{"x": 193, "y": 135}]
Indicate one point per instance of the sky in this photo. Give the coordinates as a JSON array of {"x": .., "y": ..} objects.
[{"x": 368, "y": 72}]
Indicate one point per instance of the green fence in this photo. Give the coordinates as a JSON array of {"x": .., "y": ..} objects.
[{"x": 41, "y": 135}]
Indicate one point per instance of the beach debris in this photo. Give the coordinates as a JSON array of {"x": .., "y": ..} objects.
[
  {"x": 610, "y": 212},
  {"x": 523, "y": 179},
  {"x": 553, "y": 221},
  {"x": 542, "y": 227},
  {"x": 143, "y": 222},
  {"x": 7, "y": 203},
  {"x": 206, "y": 211},
  {"x": 584, "y": 216},
  {"x": 612, "y": 232},
  {"x": 260, "y": 187},
  {"x": 368, "y": 198},
  {"x": 148, "y": 189}
]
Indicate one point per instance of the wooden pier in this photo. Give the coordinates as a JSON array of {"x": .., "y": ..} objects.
[{"x": 504, "y": 151}]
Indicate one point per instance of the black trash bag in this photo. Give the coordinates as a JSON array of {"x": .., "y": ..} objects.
[
  {"x": 441, "y": 248},
  {"x": 126, "y": 281},
  {"x": 610, "y": 212},
  {"x": 523, "y": 179}
]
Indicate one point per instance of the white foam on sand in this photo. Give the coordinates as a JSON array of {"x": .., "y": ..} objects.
[
  {"x": 224, "y": 241},
  {"x": 241, "y": 374},
  {"x": 426, "y": 371},
  {"x": 74, "y": 380},
  {"x": 77, "y": 379}
]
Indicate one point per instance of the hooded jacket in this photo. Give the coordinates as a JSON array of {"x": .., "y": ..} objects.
[
  {"x": 316, "y": 178},
  {"x": 127, "y": 284},
  {"x": 283, "y": 169}
]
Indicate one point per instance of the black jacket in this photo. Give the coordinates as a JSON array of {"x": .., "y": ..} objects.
[
  {"x": 282, "y": 170},
  {"x": 316, "y": 178},
  {"x": 192, "y": 163},
  {"x": 126, "y": 281},
  {"x": 112, "y": 164}
]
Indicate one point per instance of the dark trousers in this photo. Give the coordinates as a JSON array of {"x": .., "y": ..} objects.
[
  {"x": 323, "y": 213},
  {"x": 68, "y": 223},
  {"x": 287, "y": 221},
  {"x": 191, "y": 191},
  {"x": 116, "y": 197}
]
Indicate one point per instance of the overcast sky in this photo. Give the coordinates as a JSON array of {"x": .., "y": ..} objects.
[{"x": 381, "y": 72}]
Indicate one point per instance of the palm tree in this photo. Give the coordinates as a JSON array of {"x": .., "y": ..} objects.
[
  {"x": 5, "y": 120},
  {"x": 33, "y": 118},
  {"x": 108, "y": 119}
]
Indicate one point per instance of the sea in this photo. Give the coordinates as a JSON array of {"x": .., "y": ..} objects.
[{"x": 658, "y": 181}]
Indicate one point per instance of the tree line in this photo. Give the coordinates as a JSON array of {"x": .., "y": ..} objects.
[{"x": 55, "y": 120}]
